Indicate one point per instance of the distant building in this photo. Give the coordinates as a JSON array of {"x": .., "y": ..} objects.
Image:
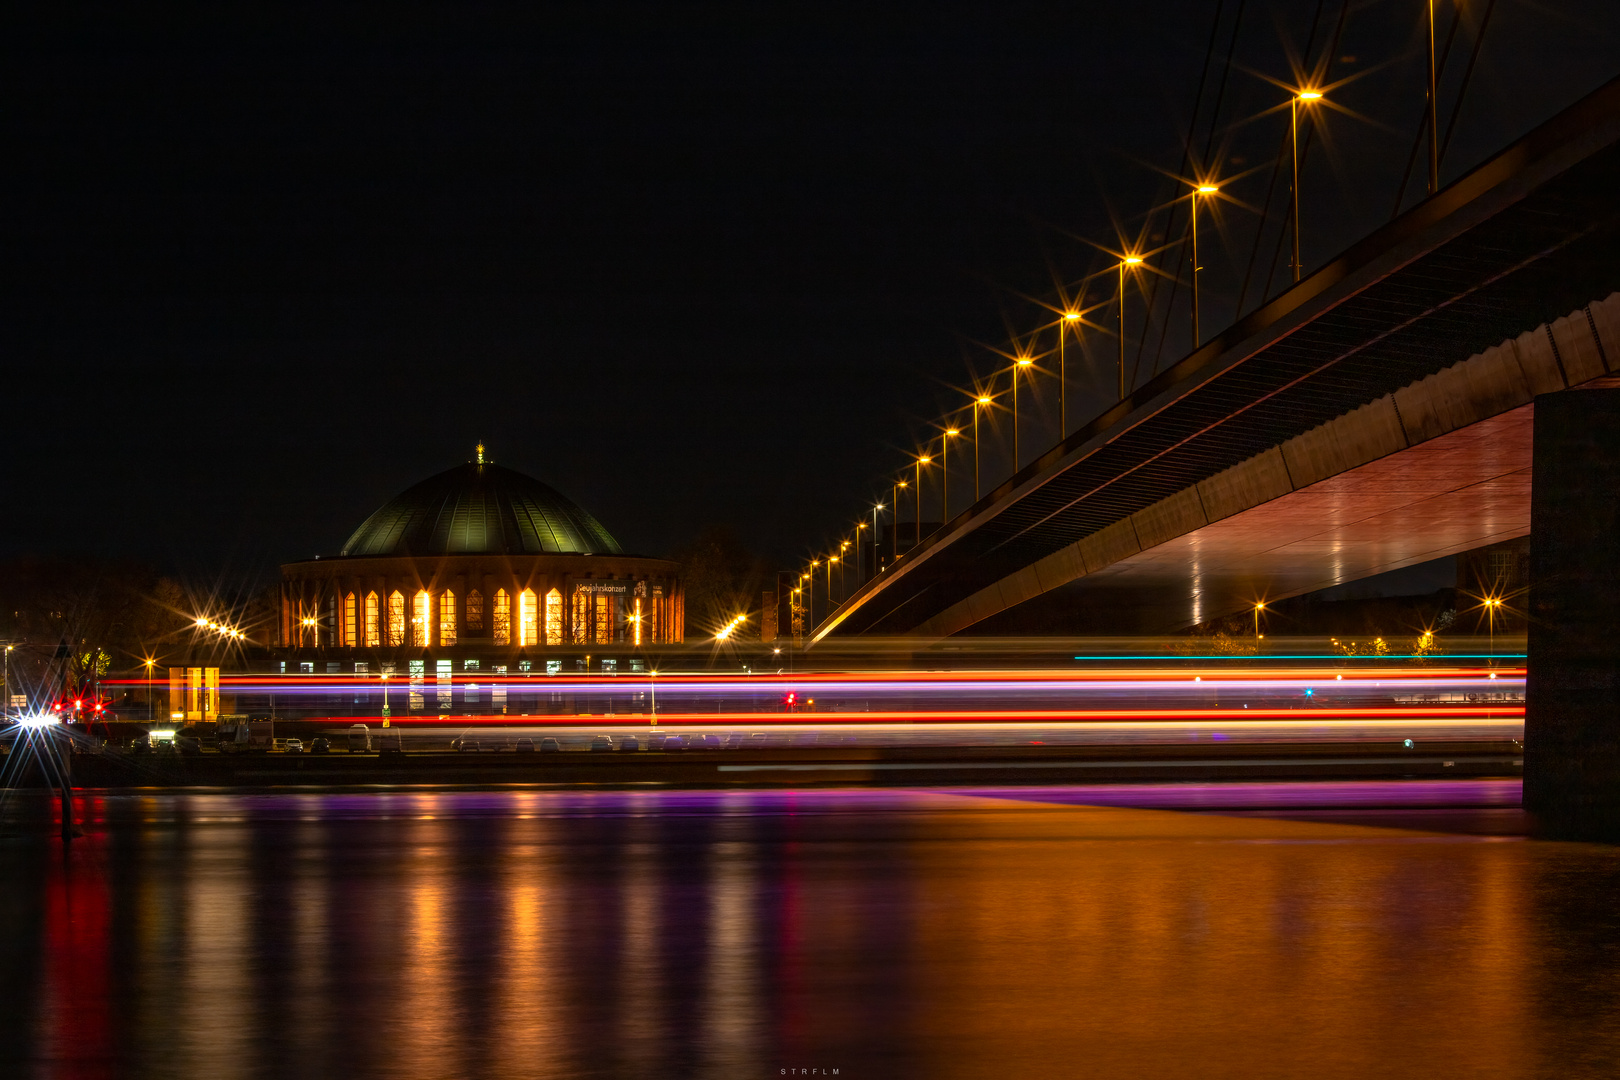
[{"x": 479, "y": 568}]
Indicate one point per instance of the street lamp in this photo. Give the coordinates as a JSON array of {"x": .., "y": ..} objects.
[
  {"x": 876, "y": 507},
  {"x": 1492, "y": 605},
  {"x": 1063, "y": 373},
  {"x": 859, "y": 566},
  {"x": 1307, "y": 96},
  {"x": 899, "y": 486},
  {"x": 1022, "y": 362},
  {"x": 150, "y": 664},
  {"x": 945, "y": 473},
  {"x": 830, "y": 560},
  {"x": 922, "y": 460},
  {"x": 1258, "y": 608},
  {"x": 1202, "y": 189},
  {"x": 982, "y": 402},
  {"x": 1129, "y": 260}
]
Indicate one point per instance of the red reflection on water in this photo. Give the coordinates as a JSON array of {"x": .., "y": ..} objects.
[{"x": 76, "y": 1018}]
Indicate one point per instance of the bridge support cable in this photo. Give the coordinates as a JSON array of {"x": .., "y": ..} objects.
[{"x": 1181, "y": 172}]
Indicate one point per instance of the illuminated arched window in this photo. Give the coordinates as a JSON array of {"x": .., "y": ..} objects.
[
  {"x": 373, "y": 631},
  {"x": 351, "y": 629},
  {"x": 527, "y": 634},
  {"x": 447, "y": 618},
  {"x": 501, "y": 622},
  {"x": 396, "y": 618},
  {"x": 475, "y": 612},
  {"x": 580, "y": 617},
  {"x": 554, "y": 618},
  {"x": 422, "y": 620}
]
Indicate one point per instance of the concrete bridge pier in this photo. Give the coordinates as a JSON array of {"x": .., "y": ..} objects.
[{"x": 1572, "y": 701}]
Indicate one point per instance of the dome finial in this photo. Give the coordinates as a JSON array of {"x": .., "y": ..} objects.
[{"x": 480, "y": 453}]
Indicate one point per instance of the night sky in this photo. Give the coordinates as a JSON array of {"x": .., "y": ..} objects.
[{"x": 690, "y": 264}]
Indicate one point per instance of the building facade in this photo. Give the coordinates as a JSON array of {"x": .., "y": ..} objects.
[{"x": 478, "y": 569}]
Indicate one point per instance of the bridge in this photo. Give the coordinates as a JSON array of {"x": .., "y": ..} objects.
[{"x": 1374, "y": 416}]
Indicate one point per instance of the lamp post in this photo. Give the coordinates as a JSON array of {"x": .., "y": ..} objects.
[
  {"x": 982, "y": 401},
  {"x": 1021, "y": 362},
  {"x": 922, "y": 460},
  {"x": 387, "y": 712},
  {"x": 1492, "y": 603},
  {"x": 1434, "y": 134},
  {"x": 1203, "y": 189},
  {"x": 1293, "y": 141},
  {"x": 830, "y": 560},
  {"x": 945, "y": 473},
  {"x": 1063, "y": 373},
  {"x": 150, "y": 664},
  {"x": 1129, "y": 260},
  {"x": 899, "y": 486},
  {"x": 843, "y": 565},
  {"x": 1258, "y": 608},
  {"x": 810, "y": 592},
  {"x": 860, "y": 567},
  {"x": 876, "y": 507}
]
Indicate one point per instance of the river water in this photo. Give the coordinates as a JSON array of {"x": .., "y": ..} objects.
[{"x": 1238, "y": 930}]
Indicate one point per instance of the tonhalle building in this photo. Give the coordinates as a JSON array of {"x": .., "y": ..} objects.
[{"x": 477, "y": 571}]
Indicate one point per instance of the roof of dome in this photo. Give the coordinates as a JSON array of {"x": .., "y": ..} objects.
[{"x": 480, "y": 509}]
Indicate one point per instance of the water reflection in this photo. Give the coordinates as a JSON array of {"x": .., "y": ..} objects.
[{"x": 1027, "y": 932}]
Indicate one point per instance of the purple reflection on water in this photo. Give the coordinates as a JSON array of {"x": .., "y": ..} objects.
[{"x": 1316, "y": 794}]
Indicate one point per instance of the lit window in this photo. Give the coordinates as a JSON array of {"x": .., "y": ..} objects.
[
  {"x": 610, "y": 667},
  {"x": 373, "y": 629},
  {"x": 635, "y": 624},
  {"x": 475, "y": 612},
  {"x": 443, "y": 677},
  {"x": 526, "y": 619},
  {"x": 553, "y": 667},
  {"x": 525, "y": 666},
  {"x": 306, "y": 668},
  {"x": 554, "y": 618},
  {"x": 581, "y": 616},
  {"x": 351, "y": 631},
  {"x": 447, "y": 618},
  {"x": 502, "y": 623},
  {"x": 422, "y": 620},
  {"x": 497, "y": 691},
  {"x": 606, "y": 603},
  {"x": 396, "y": 618}
]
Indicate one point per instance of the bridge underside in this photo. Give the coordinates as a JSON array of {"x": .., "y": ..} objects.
[
  {"x": 1443, "y": 497},
  {"x": 1373, "y": 416}
]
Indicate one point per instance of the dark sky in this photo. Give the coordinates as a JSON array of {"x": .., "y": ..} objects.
[{"x": 690, "y": 264}]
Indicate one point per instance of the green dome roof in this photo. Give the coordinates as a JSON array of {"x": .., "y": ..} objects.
[{"x": 480, "y": 509}]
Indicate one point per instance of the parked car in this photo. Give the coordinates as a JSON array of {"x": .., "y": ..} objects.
[
  {"x": 549, "y": 745},
  {"x": 601, "y": 743},
  {"x": 712, "y": 742},
  {"x": 141, "y": 744},
  {"x": 188, "y": 744},
  {"x": 525, "y": 746},
  {"x": 674, "y": 742},
  {"x": 320, "y": 745},
  {"x": 466, "y": 746},
  {"x": 629, "y": 743},
  {"x": 359, "y": 739},
  {"x": 293, "y": 746}
]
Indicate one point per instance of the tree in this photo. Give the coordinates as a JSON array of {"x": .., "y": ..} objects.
[{"x": 721, "y": 579}]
